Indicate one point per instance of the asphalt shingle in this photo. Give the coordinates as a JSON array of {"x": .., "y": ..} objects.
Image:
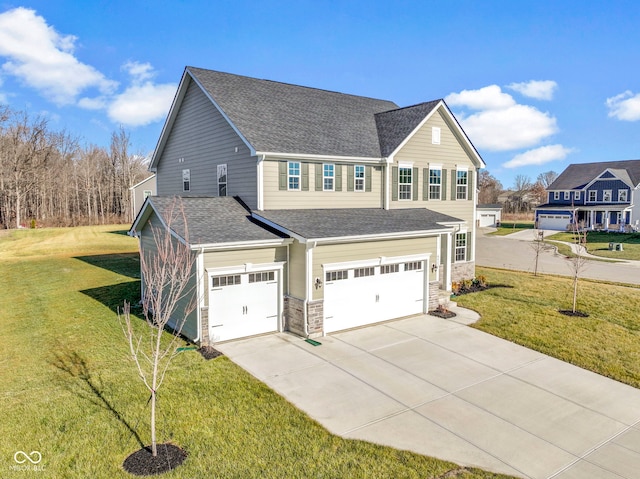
[{"x": 578, "y": 175}]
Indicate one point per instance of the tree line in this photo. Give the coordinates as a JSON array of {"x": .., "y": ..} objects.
[
  {"x": 48, "y": 179},
  {"x": 522, "y": 197}
]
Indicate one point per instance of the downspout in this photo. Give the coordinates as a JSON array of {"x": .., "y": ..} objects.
[
  {"x": 308, "y": 284},
  {"x": 201, "y": 289}
]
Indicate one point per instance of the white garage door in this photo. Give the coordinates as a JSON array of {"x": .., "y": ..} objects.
[
  {"x": 487, "y": 219},
  {"x": 553, "y": 222},
  {"x": 364, "y": 295},
  {"x": 242, "y": 304}
]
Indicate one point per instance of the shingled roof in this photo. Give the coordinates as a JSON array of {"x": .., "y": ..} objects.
[
  {"x": 396, "y": 125},
  {"x": 283, "y": 118},
  {"x": 337, "y": 223},
  {"x": 211, "y": 220},
  {"x": 578, "y": 175}
]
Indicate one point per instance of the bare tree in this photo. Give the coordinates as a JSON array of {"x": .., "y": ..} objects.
[
  {"x": 578, "y": 260},
  {"x": 546, "y": 178},
  {"x": 538, "y": 246},
  {"x": 168, "y": 297},
  {"x": 489, "y": 186},
  {"x": 522, "y": 185}
]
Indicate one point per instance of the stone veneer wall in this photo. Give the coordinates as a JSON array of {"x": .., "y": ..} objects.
[
  {"x": 434, "y": 295},
  {"x": 294, "y": 316},
  {"x": 460, "y": 271},
  {"x": 204, "y": 323}
]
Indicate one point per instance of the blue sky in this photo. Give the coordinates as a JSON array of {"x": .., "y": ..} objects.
[{"x": 536, "y": 84}]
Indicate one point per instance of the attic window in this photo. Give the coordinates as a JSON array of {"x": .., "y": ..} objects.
[
  {"x": 222, "y": 180},
  {"x": 435, "y": 135},
  {"x": 186, "y": 180}
]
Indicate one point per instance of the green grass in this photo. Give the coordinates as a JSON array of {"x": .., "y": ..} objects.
[
  {"x": 508, "y": 227},
  {"x": 526, "y": 312},
  {"x": 598, "y": 244},
  {"x": 69, "y": 391}
]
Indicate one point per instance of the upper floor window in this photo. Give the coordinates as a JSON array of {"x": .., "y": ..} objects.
[
  {"x": 567, "y": 195},
  {"x": 293, "y": 176},
  {"x": 358, "y": 178},
  {"x": 576, "y": 195},
  {"x": 435, "y": 135},
  {"x": 593, "y": 195},
  {"x": 606, "y": 196},
  {"x": 435, "y": 183},
  {"x": 328, "y": 175},
  {"x": 622, "y": 195},
  {"x": 405, "y": 181},
  {"x": 186, "y": 180},
  {"x": 556, "y": 195},
  {"x": 222, "y": 180},
  {"x": 461, "y": 246},
  {"x": 462, "y": 180}
]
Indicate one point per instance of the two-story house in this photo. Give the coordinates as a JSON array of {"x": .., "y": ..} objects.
[
  {"x": 603, "y": 196},
  {"x": 312, "y": 211}
]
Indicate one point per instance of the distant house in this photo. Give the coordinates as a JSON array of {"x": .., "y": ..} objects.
[
  {"x": 599, "y": 196},
  {"x": 139, "y": 193},
  {"x": 312, "y": 211},
  {"x": 488, "y": 215}
]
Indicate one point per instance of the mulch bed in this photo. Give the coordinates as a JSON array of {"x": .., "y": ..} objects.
[
  {"x": 209, "y": 352},
  {"x": 142, "y": 462},
  {"x": 476, "y": 288},
  {"x": 577, "y": 314},
  {"x": 442, "y": 314}
]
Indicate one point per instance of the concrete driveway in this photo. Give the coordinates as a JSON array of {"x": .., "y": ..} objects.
[
  {"x": 515, "y": 252},
  {"x": 440, "y": 388}
]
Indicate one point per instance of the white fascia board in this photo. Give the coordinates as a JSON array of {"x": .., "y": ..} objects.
[
  {"x": 144, "y": 215},
  {"x": 235, "y": 245},
  {"x": 224, "y": 115},
  {"x": 375, "y": 237},
  {"x": 324, "y": 158},
  {"x": 378, "y": 261},
  {"x": 142, "y": 182},
  {"x": 171, "y": 117},
  {"x": 599, "y": 178},
  {"x": 415, "y": 130}
]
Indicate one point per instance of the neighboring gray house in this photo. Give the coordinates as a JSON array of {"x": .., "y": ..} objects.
[
  {"x": 312, "y": 211},
  {"x": 139, "y": 193},
  {"x": 600, "y": 196}
]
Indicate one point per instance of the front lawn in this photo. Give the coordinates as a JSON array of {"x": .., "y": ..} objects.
[
  {"x": 525, "y": 311},
  {"x": 508, "y": 227},
  {"x": 598, "y": 243},
  {"x": 69, "y": 391}
]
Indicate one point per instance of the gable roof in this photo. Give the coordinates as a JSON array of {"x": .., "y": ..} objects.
[
  {"x": 578, "y": 175},
  {"x": 342, "y": 223},
  {"x": 281, "y": 118},
  {"x": 210, "y": 220},
  {"x": 278, "y": 117}
]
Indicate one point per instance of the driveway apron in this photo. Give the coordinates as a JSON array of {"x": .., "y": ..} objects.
[{"x": 440, "y": 388}]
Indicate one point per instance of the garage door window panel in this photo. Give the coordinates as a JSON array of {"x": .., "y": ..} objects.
[
  {"x": 228, "y": 280},
  {"x": 336, "y": 275},
  {"x": 389, "y": 268},
  {"x": 363, "y": 272},
  {"x": 413, "y": 266}
]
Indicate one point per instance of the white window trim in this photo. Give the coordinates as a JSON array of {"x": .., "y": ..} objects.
[
  {"x": 289, "y": 176},
  {"x": 567, "y": 195},
  {"x": 466, "y": 186},
  {"x": 186, "y": 180},
  {"x": 556, "y": 195},
  {"x": 408, "y": 166},
  {"x": 326, "y": 177},
  {"x": 595, "y": 193},
  {"x": 434, "y": 167},
  {"x": 355, "y": 178},
  {"x": 576, "y": 195},
  {"x": 466, "y": 246},
  {"x": 226, "y": 175},
  {"x": 604, "y": 196},
  {"x": 626, "y": 195}
]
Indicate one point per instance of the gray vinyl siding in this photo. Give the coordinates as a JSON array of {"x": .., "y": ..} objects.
[
  {"x": 339, "y": 253},
  {"x": 199, "y": 140},
  {"x": 276, "y": 196}
]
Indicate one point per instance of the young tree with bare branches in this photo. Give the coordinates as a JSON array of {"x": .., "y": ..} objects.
[
  {"x": 578, "y": 261},
  {"x": 168, "y": 297}
]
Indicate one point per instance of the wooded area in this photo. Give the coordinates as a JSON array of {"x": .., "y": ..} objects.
[{"x": 48, "y": 179}]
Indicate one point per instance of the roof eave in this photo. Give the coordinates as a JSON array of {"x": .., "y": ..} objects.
[
  {"x": 234, "y": 245},
  {"x": 308, "y": 156}
]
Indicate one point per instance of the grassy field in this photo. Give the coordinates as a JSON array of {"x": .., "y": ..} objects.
[
  {"x": 525, "y": 311},
  {"x": 70, "y": 392},
  {"x": 598, "y": 244},
  {"x": 508, "y": 227}
]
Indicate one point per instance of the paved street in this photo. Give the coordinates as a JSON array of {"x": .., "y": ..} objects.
[{"x": 515, "y": 252}]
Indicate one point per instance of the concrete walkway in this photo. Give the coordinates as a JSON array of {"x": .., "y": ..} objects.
[
  {"x": 440, "y": 388},
  {"x": 515, "y": 252}
]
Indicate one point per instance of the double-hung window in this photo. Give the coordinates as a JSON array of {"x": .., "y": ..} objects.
[
  {"x": 556, "y": 195},
  {"x": 405, "y": 182},
  {"x": 293, "y": 175},
  {"x": 435, "y": 183},
  {"x": 461, "y": 247},
  {"x": 622, "y": 195},
  {"x": 358, "y": 178},
  {"x": 593, "y": 195},
  {"x": 462, "y": 181},
  {"x": 576, "y": 195},
  {"x": 222, "y": 180},
  {"x": 186, "y": 180},
  {"x": 328, "y": 176},
  {"x": 606, "y": 196},
  {"x": 567, "y": 195}
]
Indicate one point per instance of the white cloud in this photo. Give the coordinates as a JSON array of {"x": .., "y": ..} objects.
[
  {"x": 141, "y": 104},
  {"x": 538, "y": 89},
  {"x": 539, "y": 156},
  {"x": 488, "y": 98},
  {"x": 139, "y": 72},
  {"x": 625, "y": 106},
  {"x": 43, "y": 58}
]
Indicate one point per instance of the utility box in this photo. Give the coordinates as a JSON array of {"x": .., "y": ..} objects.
[{"x": 615, "y": 247}]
